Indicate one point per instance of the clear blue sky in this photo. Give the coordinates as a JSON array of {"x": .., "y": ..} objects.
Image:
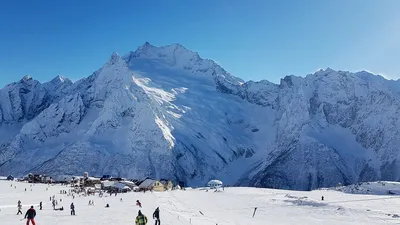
[{"x": 256, "y": 39}]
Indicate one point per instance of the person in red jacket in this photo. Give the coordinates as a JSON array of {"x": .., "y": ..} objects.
[{"x": 30, "y": 216}]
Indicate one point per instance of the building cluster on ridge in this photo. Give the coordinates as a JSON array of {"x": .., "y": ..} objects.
[{"x": 104, "y": 183}]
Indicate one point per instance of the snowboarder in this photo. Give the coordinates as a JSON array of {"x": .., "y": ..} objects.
[
  {"x": 322, "y": 198},
  {"x": 141, "y": 219},
  {"x": 138, "y": 203},
  {"x": 107, "y": 206},
  {"x": 30, "y": 216},
  {"x": 156, "y": 216},
  {"x": 19, "y": 208},
  {"x": 40, "y": 206},
  {"x": 72, "y": 209}
]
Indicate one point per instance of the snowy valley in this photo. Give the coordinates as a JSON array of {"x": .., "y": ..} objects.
[{"x": 165, "y": 112}]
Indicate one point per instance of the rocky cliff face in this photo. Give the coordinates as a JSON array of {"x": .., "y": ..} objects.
[
  {"x": 332, "y": 127},
  {"x": 165, "y": 112}
]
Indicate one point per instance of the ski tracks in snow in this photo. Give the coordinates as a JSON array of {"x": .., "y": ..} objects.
[{"x": 184, "y": 213}]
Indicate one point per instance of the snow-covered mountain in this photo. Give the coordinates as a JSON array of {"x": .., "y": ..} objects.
[{"x": 165, "y": 112}]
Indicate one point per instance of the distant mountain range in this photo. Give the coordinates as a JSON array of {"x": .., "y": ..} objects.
[{"x": 165, "y": 112}]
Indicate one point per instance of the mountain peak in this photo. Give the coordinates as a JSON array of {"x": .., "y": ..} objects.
[
  {"x": 175, "y": 51},
  {"x": 114, "y": 56},
  {"x": 325, "y": 71},
  {"x": 143, "y": 48},
  {"x": 176, "y": 56},
  {"x": 60, "y": 79},
  {"x": 146, "y": 45},
  {"x": 114, "y": 59},
  {"x": 26, "y": 78}
]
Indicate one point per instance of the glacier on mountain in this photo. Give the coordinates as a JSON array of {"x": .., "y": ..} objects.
[{"x": 165, "y": 112}]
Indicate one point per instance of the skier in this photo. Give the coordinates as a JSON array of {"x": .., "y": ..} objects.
[
  {"x": 40, "y": 206},
  {"x": 322, "y": 198},
  {"x": 156, "y": 216},
  {"x": 141, "y": 219},
  {"x": 30, "y": 216},
  {"x": 120, "y": 200},
  {"x": 138, "y": 203},
  {"x": 19, "y": 208},
  {"x": 72, "y": 209},
  {"x": 54, "y": 204},
  {"x": 107, "y": 206}
]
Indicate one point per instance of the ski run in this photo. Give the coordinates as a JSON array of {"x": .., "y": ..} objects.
[{"x": 366, "y": 204}]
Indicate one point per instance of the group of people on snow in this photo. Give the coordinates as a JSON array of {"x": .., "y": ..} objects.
[
  {"x": 30, "y": 214},
  {"x": 142, "y": 219}
]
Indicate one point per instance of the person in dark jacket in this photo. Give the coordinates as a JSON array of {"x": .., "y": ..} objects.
[
  {"x": 19, "y": 208},
  {"x": 40, "y": 206},
  {"x": 141, "y": 219},
  {"x": 138, "y": 203},
  {"x": 30, "y": 216},
  {"x": 72, "y": 209},
  {"x": 156, "y": 216}
]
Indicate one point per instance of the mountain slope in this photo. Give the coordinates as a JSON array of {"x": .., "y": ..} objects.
[
  {"x": 165, "y": 112},
  {"x": 333, "y": 127}
]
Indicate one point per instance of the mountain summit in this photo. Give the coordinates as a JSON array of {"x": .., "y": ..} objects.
[{"x": 165, "y": 112}]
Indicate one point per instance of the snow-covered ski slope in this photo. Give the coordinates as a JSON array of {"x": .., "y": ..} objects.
[
  {"x": 375, "y": 188},
  {"x": 234, "y": 206}
]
